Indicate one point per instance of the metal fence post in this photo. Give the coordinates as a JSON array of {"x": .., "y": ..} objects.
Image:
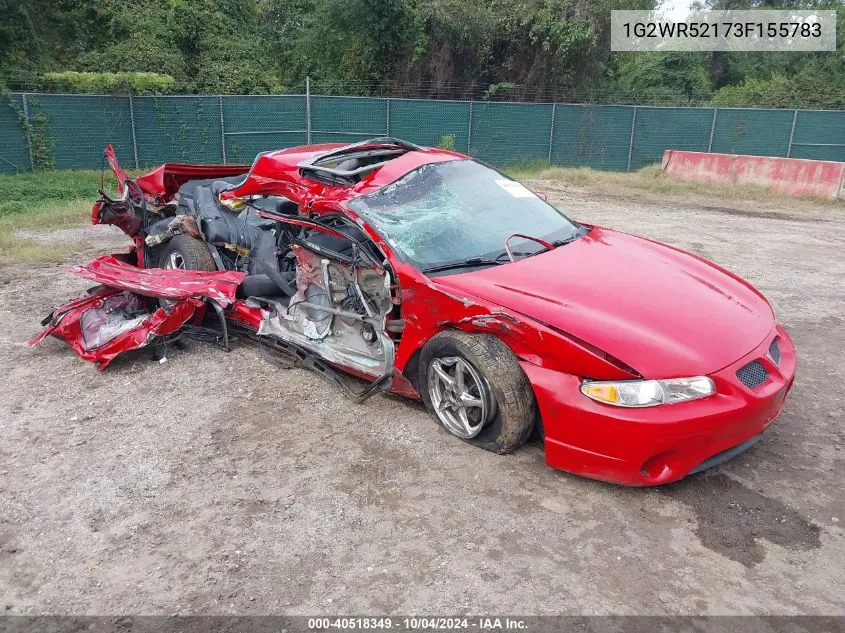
[
  {"x": 712, "y": 130},
  {"x": 552, "y": 134},
  {"x": 27, "y": 127},
  {"x": 222, "y": 128},
  {"x": 792, "y": 133},
  {"x": 132, "y": 124},
  {"x": 308, "y": 110},
  {"x": 631, "y": 139},
  {"x": 469, "y": 130},
  {"x": 388, "y": 116}
]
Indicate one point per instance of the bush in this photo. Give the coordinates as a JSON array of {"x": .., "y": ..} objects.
[
  {"x": 776, "y": 92},
  {"x": 138, "y": 83},
  {"x": 447, "y": 141},
  {"x": 806, "y": 90}
]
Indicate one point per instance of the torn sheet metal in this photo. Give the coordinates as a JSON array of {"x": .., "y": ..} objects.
[
  {"x": 163, "y": 283},
  {"x": 101, "y": 325},
  {"x": 277, "y": 322}
]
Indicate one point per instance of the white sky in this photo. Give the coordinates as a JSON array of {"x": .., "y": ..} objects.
[{"x": 675, "y": 10}]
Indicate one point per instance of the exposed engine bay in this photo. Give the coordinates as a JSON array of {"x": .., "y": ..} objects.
[
  {"x": 319, "y": 282},
  {"x": 312, "y": 285}
]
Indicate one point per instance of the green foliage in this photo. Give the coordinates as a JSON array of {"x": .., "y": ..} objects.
[
  {"x": 217, "y": 46},
  {"x": 447, "y": 141},
  {"x": 493, "y": 49},
  {"x": 42, "y": 143},
  {"x": 667, "y": 78},
  {"x": 742, "y": 79},
  {"x": 776, "y": 92},
  {"x": 779, "y": 91},
  {"x": 139, "y": 83},
  {"x": 37, "y": 129},
  {"x": 347, "y": 41},
  {"x": 21, "y": 193},
  {"x": 780, "y": 79},
  {"x": 493, "y": 89},
  {"x": 521, "y": 48}
]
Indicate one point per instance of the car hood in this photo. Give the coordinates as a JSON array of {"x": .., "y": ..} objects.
[{"x": 664, "y": 312}]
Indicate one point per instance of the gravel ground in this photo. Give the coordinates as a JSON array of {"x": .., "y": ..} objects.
[{"x": 215, "y": 484}]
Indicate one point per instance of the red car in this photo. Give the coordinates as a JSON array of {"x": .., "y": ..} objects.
[{"x": 431, "y": 275}]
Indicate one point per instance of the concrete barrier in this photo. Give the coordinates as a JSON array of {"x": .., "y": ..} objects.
[{"x": 792, "y": 176}]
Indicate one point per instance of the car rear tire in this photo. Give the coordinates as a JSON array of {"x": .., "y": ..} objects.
[
  {"x": 187, "y": 253},
  {"x": 474, "y": 386}
]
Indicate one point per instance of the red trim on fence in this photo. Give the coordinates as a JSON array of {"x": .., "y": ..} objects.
[{"x": 792, "y": 176}]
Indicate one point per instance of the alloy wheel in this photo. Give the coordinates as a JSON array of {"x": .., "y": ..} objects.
[{"x": 460, "y": 396}]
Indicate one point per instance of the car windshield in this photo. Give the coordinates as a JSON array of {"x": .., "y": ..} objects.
[{"x": 449, "y": 212}]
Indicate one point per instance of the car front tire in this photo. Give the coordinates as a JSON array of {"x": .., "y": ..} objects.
[{"x": 474, "y": 386}]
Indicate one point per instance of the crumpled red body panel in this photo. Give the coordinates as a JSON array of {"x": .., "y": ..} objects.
[
  {"x": 120, "y": 318},
  {"x": 164, "y": 181},
  {"x": 162, "y": 282},
  {"x": 67, "y": 323}
]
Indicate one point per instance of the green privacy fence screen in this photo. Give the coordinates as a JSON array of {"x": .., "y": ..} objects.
[{"x": 70, "y": 131}]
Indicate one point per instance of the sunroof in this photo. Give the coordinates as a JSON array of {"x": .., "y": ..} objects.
[{"x": 348, "y": 165}]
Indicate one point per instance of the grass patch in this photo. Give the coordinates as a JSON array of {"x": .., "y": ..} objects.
[
  {"x": 49, "y": 216},
  {"x": 651, "y": 180},
  {"x": 525, "y": 168},
  {"x": 25, "y": 193},
  {"x": 45, "y": 201},
  {"x": 15, "y": 249}
]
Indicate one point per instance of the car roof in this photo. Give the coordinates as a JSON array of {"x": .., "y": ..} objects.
[{"x": 317, "y": 170}]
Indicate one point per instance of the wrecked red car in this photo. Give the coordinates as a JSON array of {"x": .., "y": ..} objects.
[{"x": 428, "y": 274}]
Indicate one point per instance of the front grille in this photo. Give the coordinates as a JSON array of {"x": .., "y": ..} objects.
[
  {"x": 753, "y": 374},
  {"x": 774, "y": 351}
]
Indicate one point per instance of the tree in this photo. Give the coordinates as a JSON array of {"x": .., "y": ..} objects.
[
  {"x": 676, "y": 78},
  {"x": 492, "y": 49}
]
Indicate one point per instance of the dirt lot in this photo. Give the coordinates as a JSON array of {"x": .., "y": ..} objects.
[{"x": 214, "y": 483}]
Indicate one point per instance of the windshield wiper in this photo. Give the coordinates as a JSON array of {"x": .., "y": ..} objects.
[
  {"x": 557, "y": 243},
  {"x": 544, "y": 247},
  {"x": 504, "y": 254},
  {"x": 467, "y": 263}
]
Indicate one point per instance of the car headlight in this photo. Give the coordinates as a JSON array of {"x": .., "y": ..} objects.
[{"x": 648, "y": 393}]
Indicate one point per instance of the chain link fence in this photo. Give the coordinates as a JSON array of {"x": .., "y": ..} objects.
[{"x": 65, "y": 131}]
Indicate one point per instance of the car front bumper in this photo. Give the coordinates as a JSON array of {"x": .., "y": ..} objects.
[{"x": 657, "y": 445}]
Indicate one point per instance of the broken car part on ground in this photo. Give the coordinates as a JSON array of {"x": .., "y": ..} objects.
[{"x": 433, "y": 276}]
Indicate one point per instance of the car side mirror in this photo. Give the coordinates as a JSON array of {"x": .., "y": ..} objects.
[{"x": 542, "y": 195}]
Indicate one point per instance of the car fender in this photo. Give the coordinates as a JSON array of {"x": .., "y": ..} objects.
[{"x": 430, "y": 309}]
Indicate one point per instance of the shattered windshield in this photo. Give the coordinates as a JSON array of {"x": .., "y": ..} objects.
[{"x": 449, "y": 212}]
